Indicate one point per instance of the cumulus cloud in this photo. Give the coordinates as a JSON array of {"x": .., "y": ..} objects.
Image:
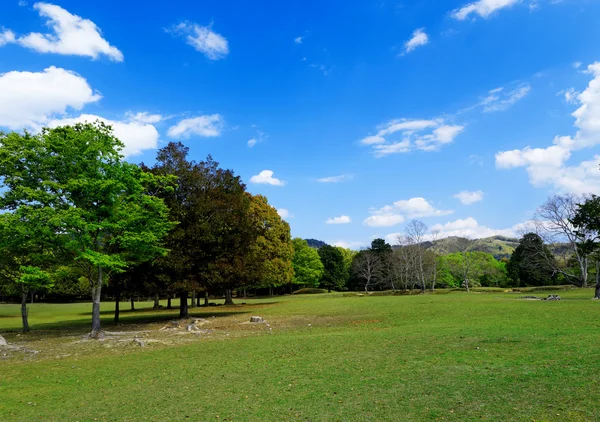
[
  {"x": 136, "y": 136},
  {"x": 468, "y": 198},
  {"x": 418, "y": 39},
  {"x": 348, "y": 245},
  {"x": 342, "y": 219},
  {"x": 265, "y": 177},
  {"x": 144, "y": 117},
  {"x": 71, "y": 35},
  {"x": 214, "y": 46},
  {"x": 6, "y": 37},
  {"x": 483, "y": 8},
  {"x": 548, "y": 166},
  {"x": 335, "y": 179},
  {"x": 298, "y": 40},
  {"x": 424, "y": 135},
  {"x": 284, "y": 213},
  {"x": 391, "y": 215},
  {"x": 31, "y": 99},
  {"x": 206, "y": 126},
  {"x": 469, "y": 227},
  {"x": 252, "y": 142}
]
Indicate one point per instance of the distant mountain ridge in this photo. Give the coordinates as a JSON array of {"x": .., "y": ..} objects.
[
  {"x": 314, "y": 243},
  {"x": 498, "y": 246}
]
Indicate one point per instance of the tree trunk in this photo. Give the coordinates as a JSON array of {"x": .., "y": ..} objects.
[
  {"x": 270, "y": 290},
  {"x": 198, "y": 300},
  {"x": 132, "y": 303},
  {"x": 32, "y": 298},
  {"x": 205, "y": 297},
  {"x": 169, "y": 302},
  {"x": 156, "y": 301},
  {"x": 467, "y": 285},
  {"x": 228, "y": 297},
  {"x": 597, "y": 292},
  {"x": 193, "y": 304},
  {"x": 96, "y": 292},
  {"x": 117, "y": 300},
  {"x": 183, "y": 305},
  {"x": 245, "y": 293},
  {"x": 24, "y": 312}
]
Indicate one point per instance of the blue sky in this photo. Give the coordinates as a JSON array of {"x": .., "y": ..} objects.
[{"x": 351, "y": 117}]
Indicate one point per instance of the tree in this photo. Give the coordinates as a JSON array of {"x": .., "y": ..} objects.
[
  {"x": 387, "y": 273},
  {"x": 334, "y": 274},
  {"x": 308, "y": 268},
  {"x": 271, "y": 255},
  {"x": 586, "y": 223},
  {"x": 415, "y": 232},
  {"x": 24, "y": 251},
  {"x": 368, "y": 266},
  {"x": 554, "y": 225},
  {"x": 532, "y": 263},
  {"x": 94, "y": 202},
  {"x": 209, "y": 246}
]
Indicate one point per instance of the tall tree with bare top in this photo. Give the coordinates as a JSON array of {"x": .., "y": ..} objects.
[{"x": 554, "y": 224}]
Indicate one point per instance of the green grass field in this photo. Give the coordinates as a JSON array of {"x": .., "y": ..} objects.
[{"x": 454, "y": 356}]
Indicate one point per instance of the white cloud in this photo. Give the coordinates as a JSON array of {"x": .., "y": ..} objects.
[
  {"x": 144, "y": 117},
  {"x": 418, "y": 39},
  {"x": 252, "y": 142},
  {"x": 298, "y": 40},
  {"x": 384, "y": 219},
  {"x": 391, "y": 215},
  {"x": 348, "y": 245},
  {"x": 214, "y": 46},
  {"x": 265, "y": 177},
  {"x": 6, "y": 37},
  {"x": 469, "y": 227},
  {"x": 500, "y": 100},
  {"x": 570, "y": 95},
  {"x": 483, "y": 8},
  {"x": 468, "y": 198},
  {"x": 335, "y": 179},
  {"x": 206, "y": 126},
  {"x": 31, "y": 99},
  {"x": 22, "y": 3},
  {"x": 342, "y": 219},
  {"x": 577, "y": 65},
  {"x": 424, "y": 135},
  {"x": 547, "y": 166},
  {"x": 136, "y": 136},
  {"x": 72, "y": 35},
  {"x": 284, "y": 213},
  {"x": 418, "y": 208}
]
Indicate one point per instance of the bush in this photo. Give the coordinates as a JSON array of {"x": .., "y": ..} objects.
[{"x": 309, "y": 291}]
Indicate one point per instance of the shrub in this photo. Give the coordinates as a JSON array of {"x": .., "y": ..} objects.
[{"x": 309, "y": 291}]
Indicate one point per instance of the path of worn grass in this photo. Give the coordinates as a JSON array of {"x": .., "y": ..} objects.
[{"x": 451, "y": 356}]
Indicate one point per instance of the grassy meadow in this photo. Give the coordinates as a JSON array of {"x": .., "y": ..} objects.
[{"x": 447, "y": 356}]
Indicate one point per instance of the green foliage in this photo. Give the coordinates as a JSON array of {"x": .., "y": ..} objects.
[
  {"x": 271, "y": 254},
  {"x": 335, "y": 274},
  {"x": 480, "y": 268},
  {"x": 84, "y": 198},
  {"x": 308, "y": 268},
  {"x": 532, "y": 263}
]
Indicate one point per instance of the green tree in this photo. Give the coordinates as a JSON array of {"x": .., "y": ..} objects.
[
  {"x": 308, "y": 268},
  {"x": 271, "y": 255},
  {"x": 94, "y": 202},
  {"x": 586, "y": 222},
  {"x": 335, "y": 275},
  {"x": 530, "y": 264}
]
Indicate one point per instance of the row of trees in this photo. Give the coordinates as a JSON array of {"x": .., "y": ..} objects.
[{"x": 74, "y": 212}]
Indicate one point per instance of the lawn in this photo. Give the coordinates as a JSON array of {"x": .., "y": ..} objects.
[{"x": 454, "y": 356}]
